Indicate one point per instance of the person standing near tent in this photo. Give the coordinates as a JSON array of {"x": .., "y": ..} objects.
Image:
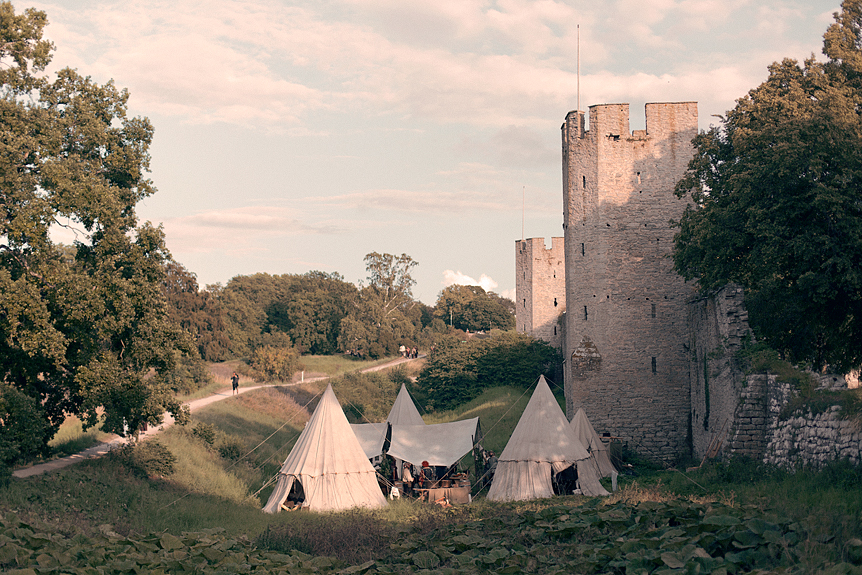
[
  {"x": 234, "y": 380},
  {"x": 492, "y": 464},
  {"x": 407, "y": 476},
  {"x": 427, "y": 475}
]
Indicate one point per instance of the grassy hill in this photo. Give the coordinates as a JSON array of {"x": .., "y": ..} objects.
[{"x": 120, "y": 514}]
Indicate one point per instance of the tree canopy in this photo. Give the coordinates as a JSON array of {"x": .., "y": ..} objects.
[
  {"x": 458, "y": 371},
  {"x": 471, "y": 308},
  {"x": 82, "y": 328},
  {"x": 777, "y": 202}
]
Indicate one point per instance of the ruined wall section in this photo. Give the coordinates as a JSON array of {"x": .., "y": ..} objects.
[
  {"x": 719, "y": 324},
  {"x": 540, "y": 288},
  {"x": 627, "y": 362}
]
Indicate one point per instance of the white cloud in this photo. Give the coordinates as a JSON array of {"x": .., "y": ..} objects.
[{"x": 457, "y": 278}]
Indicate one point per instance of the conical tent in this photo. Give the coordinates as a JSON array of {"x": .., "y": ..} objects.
[
  {"x": 372, "y": 436},
  {"x": 329, "y": 463},
  {"x": 588, "y": 437},
  {"x": 404, "y": 411},
  {"x": 543, "y": 443}
]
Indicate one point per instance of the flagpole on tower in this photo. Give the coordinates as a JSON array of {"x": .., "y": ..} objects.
[{"x": 523, "y": 209}]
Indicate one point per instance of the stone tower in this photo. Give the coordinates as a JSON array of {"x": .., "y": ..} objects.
[
  {"x": 627, "y": 362},
  {"x": 540, "y": 289}
]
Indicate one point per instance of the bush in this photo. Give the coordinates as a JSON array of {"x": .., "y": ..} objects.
[
  {"x": 205, "y": 431},
  {"x": 458, "y": 371},
  {"x": 276, "y": 363},
  {"x": 24, "y": 430},
  {"x": 147, "y": 458},
  {"x": 231, "y": 448}
]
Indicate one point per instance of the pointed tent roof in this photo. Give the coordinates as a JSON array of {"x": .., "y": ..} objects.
[
  {"x": 543, "y": 442},
  {"x": 372, "y": 436},
  {"x": 588, "y": 437},
  {"x": 329, "y": 463},
  {"x": 404, "y": 411}
]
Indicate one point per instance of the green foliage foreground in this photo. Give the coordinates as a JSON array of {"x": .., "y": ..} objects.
[{"x": 569, "y": 535}]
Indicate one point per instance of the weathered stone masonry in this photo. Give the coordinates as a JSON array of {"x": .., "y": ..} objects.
[
  {"x": 626, "y": 320},
  {"x": 540, "y": 289},
  {"x": 649, "y": 360}
]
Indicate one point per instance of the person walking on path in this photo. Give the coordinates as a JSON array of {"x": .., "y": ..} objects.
[{"x": 234, "y": 380}]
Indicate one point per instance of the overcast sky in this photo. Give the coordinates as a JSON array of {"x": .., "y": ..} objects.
[{"x": 298, "y": 136}]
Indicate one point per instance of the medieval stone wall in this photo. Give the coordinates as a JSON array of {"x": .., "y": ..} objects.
[
  {"x": 627, "y": 358},
  {"x": 540, "y": 289},
  {"x": 718, "y": 326},
  {"x": 809, "y": 440}
]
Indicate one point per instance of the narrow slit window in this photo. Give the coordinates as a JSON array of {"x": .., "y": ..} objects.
[
  {"x": 639, "y": 177},
  {"x": 585, "y": 182},
  {"x": 583, "y": 250},
  {"x": 653, "y": 365},
  {"x": 653, "y": 310},
  {"x": 555, "y": 302},
  {"x": 585, "y": 313}
]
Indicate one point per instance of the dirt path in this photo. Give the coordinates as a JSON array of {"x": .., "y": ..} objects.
[{"x": 194, "y": 405}]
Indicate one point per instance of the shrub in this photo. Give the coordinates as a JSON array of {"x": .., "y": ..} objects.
[
  {"x": 24, "y": 430},
  {"x": 458, "y": 371},
  {"x": 276, "y": 363},
  {"x": 231, "y": 448},
  {"x": 147, "y": 458},
  {"x": 205, "y": 431}
]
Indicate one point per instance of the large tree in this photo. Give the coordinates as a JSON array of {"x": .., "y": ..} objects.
[
  {"x": 471, "y": 308},
  {"x": 777, "y": 202},
  {"x": 383, "y": 315},
  {"x": 87, "y": 328}
]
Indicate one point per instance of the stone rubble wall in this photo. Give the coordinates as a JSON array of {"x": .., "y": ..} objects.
[
  {"x": 812, "y": 440},
  {"x": 741, "y": 411}
]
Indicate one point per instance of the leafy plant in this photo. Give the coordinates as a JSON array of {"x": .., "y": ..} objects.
[
  {"x": 147, "y": 458},
  {"x": 205, "y": 431},
  {"x": 458, "y": 371}
]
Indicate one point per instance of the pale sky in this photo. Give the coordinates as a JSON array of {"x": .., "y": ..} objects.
[{"x": 298, "y": 136}]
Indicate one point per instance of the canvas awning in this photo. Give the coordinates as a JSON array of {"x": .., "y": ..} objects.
[{"x": 438, "y": 444}]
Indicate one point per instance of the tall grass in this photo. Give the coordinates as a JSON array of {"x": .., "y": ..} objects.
[
  {"x": 200, "y": 469},
  {"x": 72, "y": 438},
  {"x": 333, "y": 365}
]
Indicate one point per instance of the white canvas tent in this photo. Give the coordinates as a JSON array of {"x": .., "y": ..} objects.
[
  {"x": 372, "y": 436},
  {"x": 438, "y": 444},
  {"x": 588, "y": 437},
  {"x": 543, "y": 443},
  {"x": 329, "y": 463},
  {"x": 404, "y": 411}
]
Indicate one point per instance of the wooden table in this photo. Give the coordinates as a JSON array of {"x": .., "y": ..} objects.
[{"x": 455, "y": 495}]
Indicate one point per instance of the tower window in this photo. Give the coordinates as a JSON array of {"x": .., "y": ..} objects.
[
  {"x": 653, "y": 310},
  {"x": 639, "y": 177},
  {"x": 583, "y": 250},
  {"x": 555, "y": 302},
  {"x": 585, "y": 313},
  {"x": 555, "y": 330},
  {"x": 525, "y": 304},
  {"x": 585, "y": 182},
  {"x": 653, "y": 365}
]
